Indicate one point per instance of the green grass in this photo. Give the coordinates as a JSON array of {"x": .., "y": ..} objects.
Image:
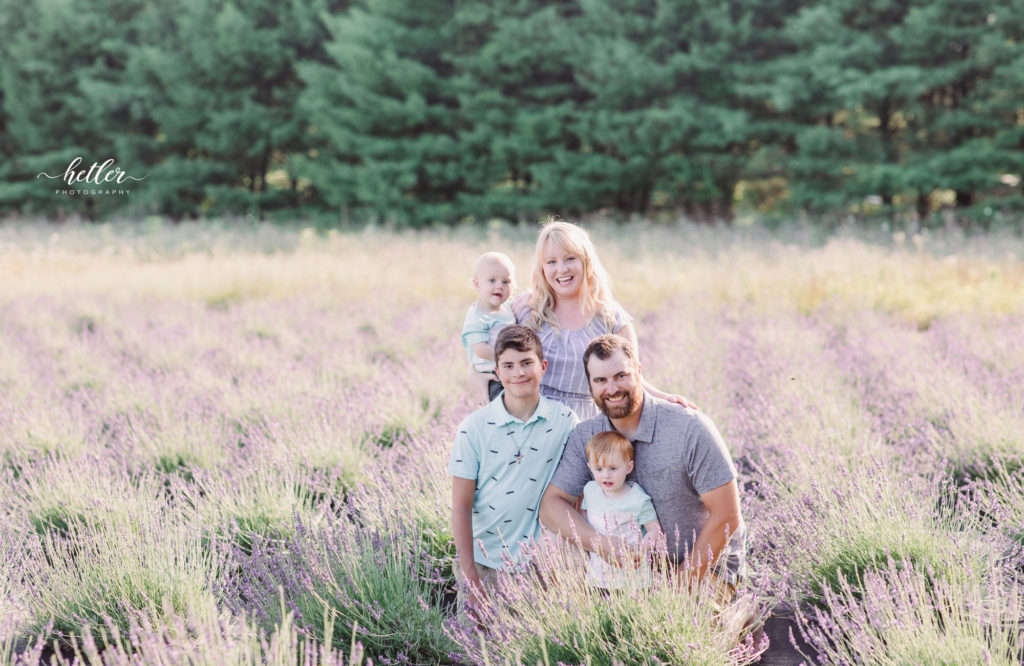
[
  {"x": 375, "y": 584},
  {"x": 865, "y": 520}
]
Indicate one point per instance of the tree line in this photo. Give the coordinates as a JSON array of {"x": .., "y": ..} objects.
[{"x": 425, "y": 111}]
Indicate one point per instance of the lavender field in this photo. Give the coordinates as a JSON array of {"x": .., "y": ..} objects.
[{"x": 227, "y": 444}]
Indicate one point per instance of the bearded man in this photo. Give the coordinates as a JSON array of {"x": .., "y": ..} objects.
[{"x": 680, "y": 461}]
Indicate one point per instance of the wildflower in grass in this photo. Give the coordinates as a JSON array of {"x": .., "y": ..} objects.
[
  {"x": 999, "y": 501},
  {"x": 409, "y": 486},
  {"x": 984, "y": 350},
  {"x": 13, "y": 612},
  {"x": 144, "y": 364},
  {"x": 899, "y": 614},
  {"x": 54, "y": 493},
  {"x": 923, "y": 403},
  {"x": 776, "y": 416},
  {"x": 210, "y": 639},
  {"x": 252, "y": 500}
]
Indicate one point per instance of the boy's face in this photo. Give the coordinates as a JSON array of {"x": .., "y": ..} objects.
[
  {"x": 494, "y": 284},
  {"x": 520, "y": 373},
  {"x": 610, "y": 471}
]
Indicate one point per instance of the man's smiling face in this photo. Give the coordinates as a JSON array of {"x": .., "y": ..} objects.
[{"x": 615, "y": 384}]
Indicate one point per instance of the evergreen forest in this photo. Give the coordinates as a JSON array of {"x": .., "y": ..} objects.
[{"x": 423, "y": 112}]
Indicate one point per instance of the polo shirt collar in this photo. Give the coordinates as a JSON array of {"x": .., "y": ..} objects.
[
  {"x": 648, "y": 419},
  {"x": 498, "y": 415}
]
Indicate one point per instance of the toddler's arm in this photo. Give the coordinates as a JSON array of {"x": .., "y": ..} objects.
[
  {"x": 478, "y": 386},
  {"x": 484, "y": 350},
  {"x": 654, "y": 536}
]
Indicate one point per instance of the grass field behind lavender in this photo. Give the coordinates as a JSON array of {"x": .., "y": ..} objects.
[{"x": 226, "y": 444}]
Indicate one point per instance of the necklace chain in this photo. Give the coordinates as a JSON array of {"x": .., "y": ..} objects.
[{"x": 518, "y": 457}]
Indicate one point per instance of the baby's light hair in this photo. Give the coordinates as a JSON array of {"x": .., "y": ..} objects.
[
  {"x": 606, "y": 443},
  {"x": 488, "y": 258}
]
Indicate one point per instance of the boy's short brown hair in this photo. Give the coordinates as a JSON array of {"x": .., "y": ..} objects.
[
  {"x": 519, "y": 338},
  {"x": 605, "y": 443}
]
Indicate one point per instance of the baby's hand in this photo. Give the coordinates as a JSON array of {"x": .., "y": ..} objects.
[
  {"x": 616, "y": 552},
  {"x": 654, "y": 541}
]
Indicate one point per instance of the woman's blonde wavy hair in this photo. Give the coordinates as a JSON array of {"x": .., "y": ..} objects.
[{"x": 596, "y": 287}]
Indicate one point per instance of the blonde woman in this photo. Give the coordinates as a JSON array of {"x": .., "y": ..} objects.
[{"x": 569, "y": 304}]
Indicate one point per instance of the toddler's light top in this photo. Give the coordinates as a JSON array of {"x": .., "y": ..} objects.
[
  {"x": 483, "y": 326},
  {"x": 622, "y": 516}
]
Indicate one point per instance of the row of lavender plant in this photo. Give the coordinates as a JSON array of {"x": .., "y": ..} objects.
[
  {"x": 158, "y": 475},
  {"x": 266, "y": 479},
  {"x": 875, "y": 494}
]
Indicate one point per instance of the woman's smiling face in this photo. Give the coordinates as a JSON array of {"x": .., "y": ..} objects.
[{"x": 563, "y": 270}]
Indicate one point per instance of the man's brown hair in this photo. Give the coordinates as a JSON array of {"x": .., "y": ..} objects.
[
  {"x": 519, "y": 338},
  {"x": 604, "y": 347}
]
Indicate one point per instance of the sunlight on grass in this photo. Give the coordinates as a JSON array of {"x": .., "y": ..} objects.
[{"x": 221, "y": 268}]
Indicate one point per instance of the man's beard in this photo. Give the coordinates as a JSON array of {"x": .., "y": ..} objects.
[{"x": 618, "y": 411}]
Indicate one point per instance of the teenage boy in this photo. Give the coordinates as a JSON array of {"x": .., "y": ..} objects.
[{"x": 502, "y": 459}]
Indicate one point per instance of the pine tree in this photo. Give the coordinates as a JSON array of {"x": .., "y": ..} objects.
[
  {"x": 48, "y": 119},
  {"x": 1002, "y": 102},
  {"x": 848, "y": 90},
  {"x": 517, "y": 96},
  {"x": 383, "y": 113},
  {"x": 950, "y": 139},
  {"x": 212, "y": 95},
  {"x": 894, "y": 104}
]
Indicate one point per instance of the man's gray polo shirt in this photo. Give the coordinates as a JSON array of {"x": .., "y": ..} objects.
[{"x": 679, "y": 454}]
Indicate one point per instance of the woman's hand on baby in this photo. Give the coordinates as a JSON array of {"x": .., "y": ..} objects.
[{"x": 680, "y": 400}]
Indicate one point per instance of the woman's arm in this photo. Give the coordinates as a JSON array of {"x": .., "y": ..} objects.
[{"x": 628, "y": 332}]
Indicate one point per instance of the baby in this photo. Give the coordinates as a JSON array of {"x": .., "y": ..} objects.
[
  {"x": 615, "y": 507},
  {"x": 493, "y": 279}
]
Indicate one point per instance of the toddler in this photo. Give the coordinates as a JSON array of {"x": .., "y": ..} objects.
[
  {"x": 615, "y": 507},
  {"x": 493, "y": 279}
]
